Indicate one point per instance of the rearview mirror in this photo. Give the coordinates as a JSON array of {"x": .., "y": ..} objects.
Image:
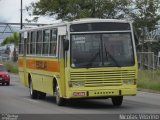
[{"x": 66, "y": 44}]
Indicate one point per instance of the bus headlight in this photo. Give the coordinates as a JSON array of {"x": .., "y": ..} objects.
[
  {"x": 76, "y": 84},
  {"x": 128, "y": 82}
]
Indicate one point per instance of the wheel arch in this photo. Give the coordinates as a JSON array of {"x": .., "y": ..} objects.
[
  {"x": 29, "y": 79},
  {"x": 54, "y": 84}
]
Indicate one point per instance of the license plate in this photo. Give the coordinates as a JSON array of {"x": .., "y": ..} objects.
[{"x": 79, "y": 94}]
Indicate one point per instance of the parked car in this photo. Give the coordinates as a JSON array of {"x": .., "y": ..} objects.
[{"x": 4, "y": 76}]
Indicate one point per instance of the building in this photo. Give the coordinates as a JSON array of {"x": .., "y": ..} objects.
[{"x": 7, "y": 52}]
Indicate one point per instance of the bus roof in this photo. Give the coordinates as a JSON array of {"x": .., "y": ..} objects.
[
  {"x": 78, "y": 21},
  {"x": 86, "y": 20}
]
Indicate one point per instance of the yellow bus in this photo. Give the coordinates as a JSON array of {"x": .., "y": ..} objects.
[{"x": 86, "y": 58}]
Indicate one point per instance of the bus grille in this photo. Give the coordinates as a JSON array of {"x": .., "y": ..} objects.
[{"x": 102, "y": 78}]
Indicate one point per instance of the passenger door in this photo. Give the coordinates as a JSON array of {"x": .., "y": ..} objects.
[{"x": 61, "y": 59}]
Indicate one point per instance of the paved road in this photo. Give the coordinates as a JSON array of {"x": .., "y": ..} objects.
[{"x": 15, "y": 99}]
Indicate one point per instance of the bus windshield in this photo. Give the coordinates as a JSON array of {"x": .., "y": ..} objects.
[{"x": 101, "y": 50}]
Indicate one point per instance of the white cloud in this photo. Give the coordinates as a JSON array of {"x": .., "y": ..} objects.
[{"x": 10, "y": 11}]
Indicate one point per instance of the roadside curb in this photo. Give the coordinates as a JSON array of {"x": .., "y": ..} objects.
[{"x": 148, "y": 90}]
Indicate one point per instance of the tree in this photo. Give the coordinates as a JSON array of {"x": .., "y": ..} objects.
[
  {"x": 12, "y": 39},
  {"x": 75, "y": 9},
  {"x": 145, "y": 15}
]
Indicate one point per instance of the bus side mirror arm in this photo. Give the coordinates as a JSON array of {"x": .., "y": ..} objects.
[{"x": 66, "y": 44}]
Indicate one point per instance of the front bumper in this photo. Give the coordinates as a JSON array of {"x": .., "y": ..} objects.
[
  {"x": 4, "y": 81},
  {"x": 106, "y": 93}
]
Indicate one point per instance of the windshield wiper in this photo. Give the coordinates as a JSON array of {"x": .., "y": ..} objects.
[
  {"x": 93, "y": 59},
  {"x": 114, "y": 60}
]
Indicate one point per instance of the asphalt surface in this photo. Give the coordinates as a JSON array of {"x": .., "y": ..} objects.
[{"x": 15, "y": 99}]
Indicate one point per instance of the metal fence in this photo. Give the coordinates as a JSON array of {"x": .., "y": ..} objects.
[{"x": 148, "y": 60}]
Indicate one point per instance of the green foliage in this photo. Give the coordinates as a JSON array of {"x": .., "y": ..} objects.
[
  {"x": 11, "y": 39},
  {"x": 11, "y": 66},
  {"x": 148, "y": 79},
  {"x": 75, "y": 9},
  {"x": 145, "y": 14}
]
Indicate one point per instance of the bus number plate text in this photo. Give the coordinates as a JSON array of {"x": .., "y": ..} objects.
[{"x": 79, "y": 94}]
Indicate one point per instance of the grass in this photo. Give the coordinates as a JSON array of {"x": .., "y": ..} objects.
[
  {"x": 11, "y": 66},
  {"x": 148, "y": 79}
]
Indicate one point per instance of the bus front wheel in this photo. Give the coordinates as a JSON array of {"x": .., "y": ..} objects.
[
  {"x": 33, "y": 93},
  {"x": 117, "y": 101},
  {"x": 59, "y": 100},
  {"x": 42, "y": 95}
]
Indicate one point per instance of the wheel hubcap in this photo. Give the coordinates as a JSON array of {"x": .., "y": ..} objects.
[
  {"x": 57, "y": 94},
  {"x": 31, "y": 89}
]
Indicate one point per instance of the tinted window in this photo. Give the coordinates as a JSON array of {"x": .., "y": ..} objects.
[
  {"x": 46, "y": 38},
  {"x": 53, "y": 42},
  {"x": 21, "y": 44},
  {"x": 39, "y": 42},
  {"x": 102, "y": 26},
  {"x": 98, "y": 50},
  {"x": 28, "y": 43},
  {"x": 33, "y": 43}
]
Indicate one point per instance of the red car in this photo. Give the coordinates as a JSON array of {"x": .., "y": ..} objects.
[{"x": 4, "y": 76}]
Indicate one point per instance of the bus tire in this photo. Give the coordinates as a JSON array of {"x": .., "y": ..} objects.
[
  {"x": 59, "y": 100},
  {"x": 41, "y": 95},
  {"x": 117, "y": 101},
  {"x": 33, "y": 93}
]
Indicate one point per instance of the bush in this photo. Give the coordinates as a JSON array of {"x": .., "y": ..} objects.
[
  {"x": 11, "y": 66},
  {"x": 148, "y": 79}
]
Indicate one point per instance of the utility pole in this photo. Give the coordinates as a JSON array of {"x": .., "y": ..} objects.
[{"x": 21, "y": 18}]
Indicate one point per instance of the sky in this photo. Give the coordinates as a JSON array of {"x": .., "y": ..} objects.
[{"x": 10, "y": 11}]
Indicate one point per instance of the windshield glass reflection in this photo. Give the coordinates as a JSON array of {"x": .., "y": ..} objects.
[{"x": 100, "y": 50}]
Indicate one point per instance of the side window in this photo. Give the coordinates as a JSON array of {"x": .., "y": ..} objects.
[
  {"x": 46, "y": 37},
  {"x": 21, "y": 43},
  {"x": 33, "y": 43},
  {"x": 39, "y": 42},
  {"x": 28, "y": 42},
  {"x": 53, "y": 43}
]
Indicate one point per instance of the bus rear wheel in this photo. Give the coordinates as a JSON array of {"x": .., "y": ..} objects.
[
  {"x": 117, "y": 101},
  {"x": 33, "y": 93},
  {"x": 59, "y": 100}
]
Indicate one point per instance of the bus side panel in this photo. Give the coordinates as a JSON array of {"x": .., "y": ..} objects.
[
  {"x": 37, "y": 81},
  {"x": 21, "y": 68},
  {"x": 48, "y": 84},
  {"x": 21, "y": 75},
  {"x": 51, "y": 72},
  {"x": 36, "y": 77},
  {"x": 43, "y": 71},
  {"x": 62, "y": 80}
]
